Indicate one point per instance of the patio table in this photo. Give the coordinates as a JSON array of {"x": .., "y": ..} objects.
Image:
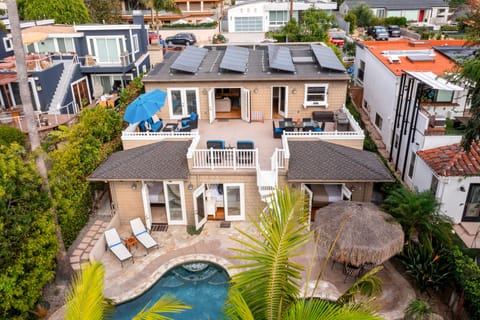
[
  {"x": 283, "y": 124},
  {"x": 170, "y": 127}
]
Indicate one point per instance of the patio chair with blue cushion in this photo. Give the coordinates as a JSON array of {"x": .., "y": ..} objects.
[
  {"x": 277, "y": 131},
  {"x": 245, "y": 157},
  {"x": 191, "y": 121},
  {"x": 115, "y": 245},
  {"x": 140, "y": 232},
  {"x": 213, "y": 155}
]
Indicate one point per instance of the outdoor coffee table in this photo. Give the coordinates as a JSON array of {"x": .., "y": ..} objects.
[{"x": 170, "y": 127}]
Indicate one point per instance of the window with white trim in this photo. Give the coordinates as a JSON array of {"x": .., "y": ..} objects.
[
  {"x": 136, "y": 47},
  {"x": 316, "y": 95},
  {"x": 378, "y": 121},
  {"x": 106, "y": 50},
  {"x": 7, "y": 42}
]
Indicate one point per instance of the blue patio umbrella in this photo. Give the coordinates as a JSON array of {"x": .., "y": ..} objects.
[{"x": 145, "y": 106}]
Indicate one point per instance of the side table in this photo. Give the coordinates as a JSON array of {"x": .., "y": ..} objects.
[{"x": 129, "y": 242}]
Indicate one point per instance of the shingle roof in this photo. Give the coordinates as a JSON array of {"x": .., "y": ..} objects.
[
  {"x": 158, "y": 161},
  {"x": 397, "y": 5},
  {"x": 452, "y": 160},
  {"x": 307, "y": 69},
  {"x": 324, "y": 161}
]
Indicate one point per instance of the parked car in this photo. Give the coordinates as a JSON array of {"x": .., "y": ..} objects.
[
  {"x": 336, "y": 40},
  {"x": 152, "y": 37},
  {"x": 378, "y": 32},
  {"x": 394, "y": 31},
  {"x": 184, "y": 38}
]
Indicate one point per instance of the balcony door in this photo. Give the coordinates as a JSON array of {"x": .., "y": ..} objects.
[
  {"x": 279, "y": 101},
  {"x": 183, "y": 102}
]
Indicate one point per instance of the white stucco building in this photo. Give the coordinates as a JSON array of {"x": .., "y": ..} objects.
[{"x": 264, "y": 16}]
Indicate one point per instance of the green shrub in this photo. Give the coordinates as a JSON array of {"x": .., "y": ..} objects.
[
  {"x": 88, "y": 143},
  {"x": 399, "y": 21},
  {"x": 467, "y": 277},
  {"x": 426, "y": 265},
  {"x": 27, "y": 234},
  {"x": 9, "y": 135},
  {"x": 418, "y": 309},
  {"x": 192, "y": 230}
]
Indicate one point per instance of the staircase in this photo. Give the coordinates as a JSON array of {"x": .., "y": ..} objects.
[
  {"x": 63, "y": 84},
  {"x": 267, "y": 180}
]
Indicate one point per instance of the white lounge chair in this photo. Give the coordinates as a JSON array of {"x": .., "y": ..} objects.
[
  {"x": 116, "y": 246},
  {"x": 140, "y": 232}
]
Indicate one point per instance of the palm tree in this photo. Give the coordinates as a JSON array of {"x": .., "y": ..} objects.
[
  {"x": 418, "y": 213},
  {"x": 157, "y": 5},
  {"x": 64, "y": 269},
  {"x": 268, "y": 288},
  {"x": 85, "y": 300}
]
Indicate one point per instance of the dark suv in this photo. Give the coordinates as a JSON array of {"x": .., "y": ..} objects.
[
  {"x": 378, "y": 32},
  {"x": 394, "y": 31},
  {"x": 184, "y": 38}
]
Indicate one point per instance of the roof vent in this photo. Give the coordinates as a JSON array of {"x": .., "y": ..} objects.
[
  {"x": 418, "y": 43},
  {"x": 394, "y": 59}
]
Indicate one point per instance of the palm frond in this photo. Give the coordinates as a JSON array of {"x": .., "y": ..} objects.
[
  {"x": 237, "y": 308},
  {"x": 314, "y": 309},
  {"x": 87, "y": 290},
  {"x": 368, "y": 285},
  {"x": 269, "y": 284},
  {"x": 166, "y": 304}
]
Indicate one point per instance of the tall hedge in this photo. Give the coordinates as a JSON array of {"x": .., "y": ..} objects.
[
  {"x": 27, "y": 234},
  {"x": 467, "y": 277},
  {"x": 87, "y": 144}
]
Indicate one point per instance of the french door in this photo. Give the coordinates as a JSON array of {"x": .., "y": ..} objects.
[
  {"x": 234, "y": 201},
  {"x": 199, "y": 207},
  {"x": 183, "y": 102},
  {"x": 175, "y": 202}
]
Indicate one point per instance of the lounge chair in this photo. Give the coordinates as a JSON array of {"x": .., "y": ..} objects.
[
  {"x": 140, "y": 232},
  {"x": 116, "y": 246}
]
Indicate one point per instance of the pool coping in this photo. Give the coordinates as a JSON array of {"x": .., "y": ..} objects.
[{"x": 172, "y": 263}]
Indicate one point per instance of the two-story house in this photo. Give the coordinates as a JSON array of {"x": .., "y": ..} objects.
[
  {"x": 72, "y": 65},
  {"x": 433, "y": 12},
  {"x": 264, "y": 16},
  {"x": 229, "y": 164},
  {"x": 416, "y": 110}
]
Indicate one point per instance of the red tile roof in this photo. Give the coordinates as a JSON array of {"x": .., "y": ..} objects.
[
  {"x": 452, "y": 160},
  {"x": 439, "y": 66}
]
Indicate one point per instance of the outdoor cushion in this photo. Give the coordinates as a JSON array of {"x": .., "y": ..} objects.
[
  {"x": 279, "y": 130},
  {"x": 185, "y": 123}
]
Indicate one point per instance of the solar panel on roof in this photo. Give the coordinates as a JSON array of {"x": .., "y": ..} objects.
[
  {"x": 280, "y": 58},
  {"x": 189, "y": 60},
  {"x": 235, "y": 59},
  {"x": 326, "y": 58},
  {"x": 420, "y": 57}
]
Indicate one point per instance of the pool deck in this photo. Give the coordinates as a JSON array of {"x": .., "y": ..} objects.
[{"x": 214, "y": 244}]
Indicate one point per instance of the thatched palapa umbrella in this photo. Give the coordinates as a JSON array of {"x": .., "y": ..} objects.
[{"x": 369, "y": 236}]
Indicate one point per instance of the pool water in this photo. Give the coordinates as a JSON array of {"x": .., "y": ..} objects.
[{"x": 201, "y": 285}]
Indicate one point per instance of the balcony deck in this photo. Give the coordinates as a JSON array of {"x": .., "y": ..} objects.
[{"x": 233, "y": 130}]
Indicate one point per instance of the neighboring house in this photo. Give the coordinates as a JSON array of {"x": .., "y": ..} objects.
[
  {"x": 191, "y": 11},
  {"x": 264, "y": 16},
  {"x": 410, "y": 103},
  {"x": 433, "y": 12},
  {"x": 72, "y": 65},
  {"x": 454, "y": 177},
  {"x": 241, "y": 93}
]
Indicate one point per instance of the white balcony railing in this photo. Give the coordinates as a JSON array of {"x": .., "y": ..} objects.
[
  {"x": 225, "y": 159},
  {"x": 136, "y": 135}
]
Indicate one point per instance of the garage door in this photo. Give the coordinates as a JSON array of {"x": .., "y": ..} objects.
[{"x": 248, "y": 24}]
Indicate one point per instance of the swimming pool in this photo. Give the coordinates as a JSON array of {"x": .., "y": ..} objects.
[{"x": 202, "y": 285}]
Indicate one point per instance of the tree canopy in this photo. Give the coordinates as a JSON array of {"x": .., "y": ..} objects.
[
  {"x": 104, "y": 11},
  {"x": 62, "y": 11},
  {"x": 313, "y": 27},
  {"x": 364, "y": 14},
  {"x": 27, "y": 234}
]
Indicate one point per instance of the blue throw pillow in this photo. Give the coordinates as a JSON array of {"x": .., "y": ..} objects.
[
  {"x": 193, "y": 116},
  {"x": 278, "y": 130},
  {"x": 185, "y": 123}
]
